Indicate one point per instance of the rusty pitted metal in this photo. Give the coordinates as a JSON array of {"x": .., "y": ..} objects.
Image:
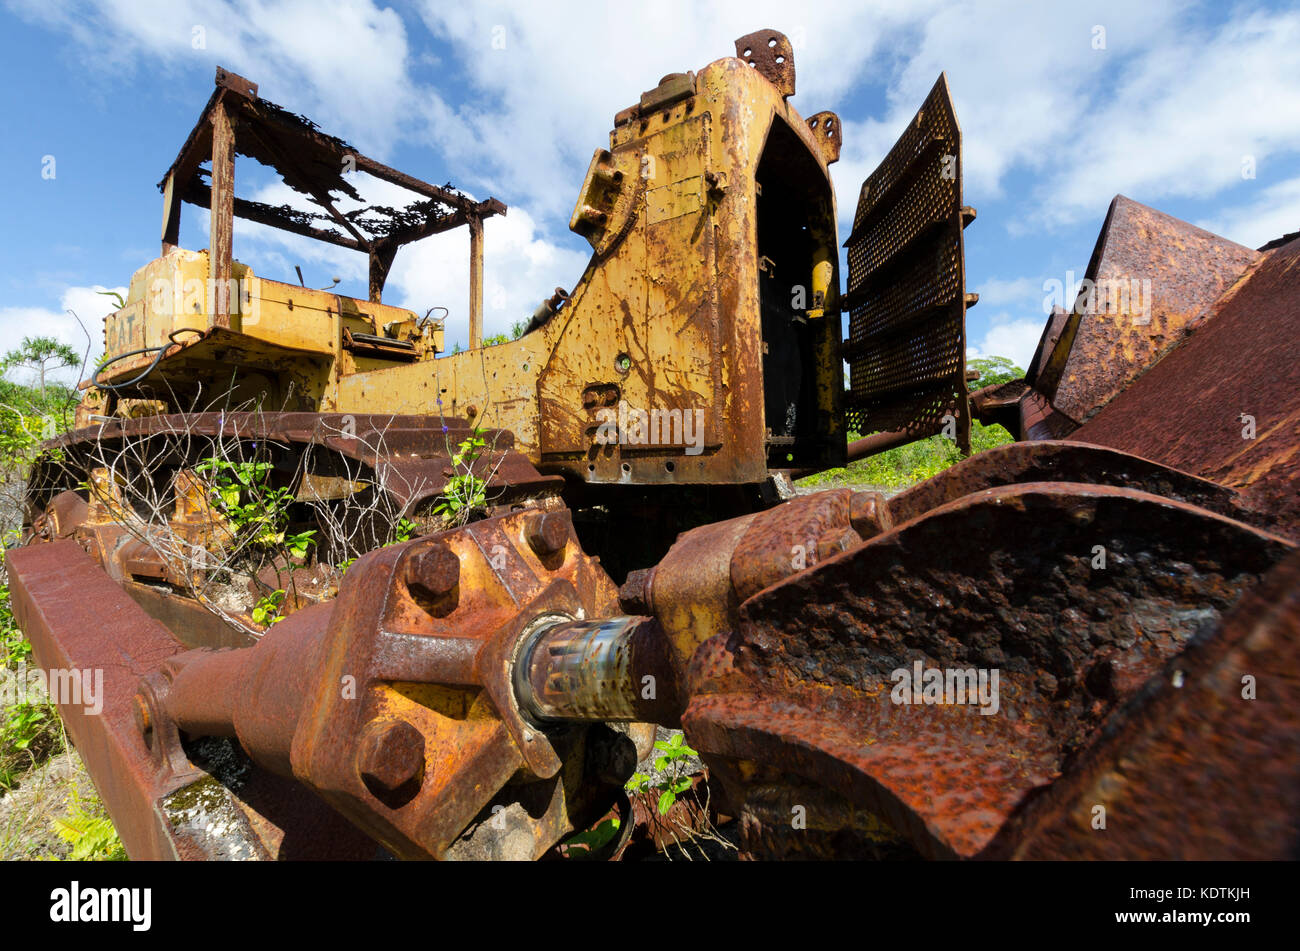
[
  {"x": 818, "y": 690},
  {"x": 164, "y": 806},
  {"x": 770, "y": 53},
  {"x": 1226, "y": 404},
  {"x": 1150, "y": 277},
  {"x": 396, "y": 702},
  {"x": 1228, "y": 708},
  {"x": 696, "y": 589},
  {"x": 1062, "y": 461}
]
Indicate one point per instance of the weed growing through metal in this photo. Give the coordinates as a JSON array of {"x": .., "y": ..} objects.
[
  {"x": 464, "y": 491},
  {"x": 677, "y": 785},
  {"x": 242, "y": 494},
  {"x": 267, "y": 610}
]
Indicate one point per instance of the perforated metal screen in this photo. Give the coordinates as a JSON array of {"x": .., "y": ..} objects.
[{"x": 906, "y": 347}]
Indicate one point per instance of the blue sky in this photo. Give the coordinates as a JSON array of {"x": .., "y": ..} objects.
[{"x": 1191, "y": 108}]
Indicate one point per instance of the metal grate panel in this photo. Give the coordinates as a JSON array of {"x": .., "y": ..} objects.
[{"x": 906, "y": 346}]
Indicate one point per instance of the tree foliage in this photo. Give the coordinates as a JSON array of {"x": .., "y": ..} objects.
[
  {"x": 993, "y": 370},
  {"x": 43, "y": 355}
]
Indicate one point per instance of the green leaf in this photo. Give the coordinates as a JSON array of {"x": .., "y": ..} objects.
[{"x": 666, "y": 800}]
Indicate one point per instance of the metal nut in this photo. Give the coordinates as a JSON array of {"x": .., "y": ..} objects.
[
  {"x": 432, "y": 573},
  {"x": 547, "y": 533},
  {"x": 390, "y": 759}
]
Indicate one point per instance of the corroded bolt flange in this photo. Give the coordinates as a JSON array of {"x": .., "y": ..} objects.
[
  {"x": 390, "y": 759},
  {"x": 432, "y": 573},
  {"x": 547, "y": 533}
]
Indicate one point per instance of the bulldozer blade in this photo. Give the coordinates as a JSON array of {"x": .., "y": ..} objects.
[{"x": 935, "y": 680}]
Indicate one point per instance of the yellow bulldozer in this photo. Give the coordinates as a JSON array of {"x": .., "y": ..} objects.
[{"x": 357, "y": 596}]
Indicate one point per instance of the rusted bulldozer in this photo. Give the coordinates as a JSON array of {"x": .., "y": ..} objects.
[{"x": 494, "y": 572}]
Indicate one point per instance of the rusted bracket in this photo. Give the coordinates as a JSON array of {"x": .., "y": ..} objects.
[{"x": 770, "y": 52}]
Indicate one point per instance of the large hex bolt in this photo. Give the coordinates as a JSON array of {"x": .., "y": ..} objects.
[
  {"x": 432, "y": 573},
  {"x": 390, "y": 759},
  {"x": 634, "y": 595},
  {"x": 547, "y": 533},
  {"x": 869, "y": 514}
]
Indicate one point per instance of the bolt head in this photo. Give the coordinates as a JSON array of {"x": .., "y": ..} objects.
[
  {"x": 432, "y": 573},
  {"x": 390, "y": 759},
  {"x": 547, "y": 533}
]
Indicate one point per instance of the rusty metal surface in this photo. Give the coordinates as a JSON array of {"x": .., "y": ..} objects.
[
  {"x": 770, "y": 53},
  {"x": 396, "y": 703},
  {"x": 674, "y": 195},
  {"x": 1203, "y": 765},
  {"x": 999, "y": 403},
  {"x": 63, "y": 602},
  {"x": 1244, "y": 358},
  {"x": 312, "y": 163},
  {"x": 1053, "y": 461},
  {"x": 1150, "y": 278},
  {"x": 409, "y": 455},
  {"x": 812, "y": 689},
  {"x": 161, "y": 803},
  {"x": 696, "y": 590},
  {"x": 1039, "y": 420},
  {"x": 829, "y": 132}
]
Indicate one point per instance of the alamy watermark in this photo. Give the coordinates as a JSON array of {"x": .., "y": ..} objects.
[
  {"x": 65, "y": 687},
  {"x": 919, "y": 684},
  {"x": 1109, "y": 296},
  {"x": 169, "y": 297},
  {"x": 632, "y": 426}
]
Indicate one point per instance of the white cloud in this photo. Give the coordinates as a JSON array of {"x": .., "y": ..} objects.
[
  {"x": 1183, "y": 118},
  {"x": 1168, "y": 108},
  {"x": 83, "y": 332},
  {"x": 545, "y": 100},
  {"x": 343, "y": 62},
  {"x": 520, "y": 270},
  {"x": 1015, "y": 338},
  {"x": 995, "y": 292},
  {"x": 1272, "y": 214},
  {"x": 1021, "y": 77}
]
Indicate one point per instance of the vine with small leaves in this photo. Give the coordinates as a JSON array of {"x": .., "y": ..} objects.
[{"x": 465, "y": 491}]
